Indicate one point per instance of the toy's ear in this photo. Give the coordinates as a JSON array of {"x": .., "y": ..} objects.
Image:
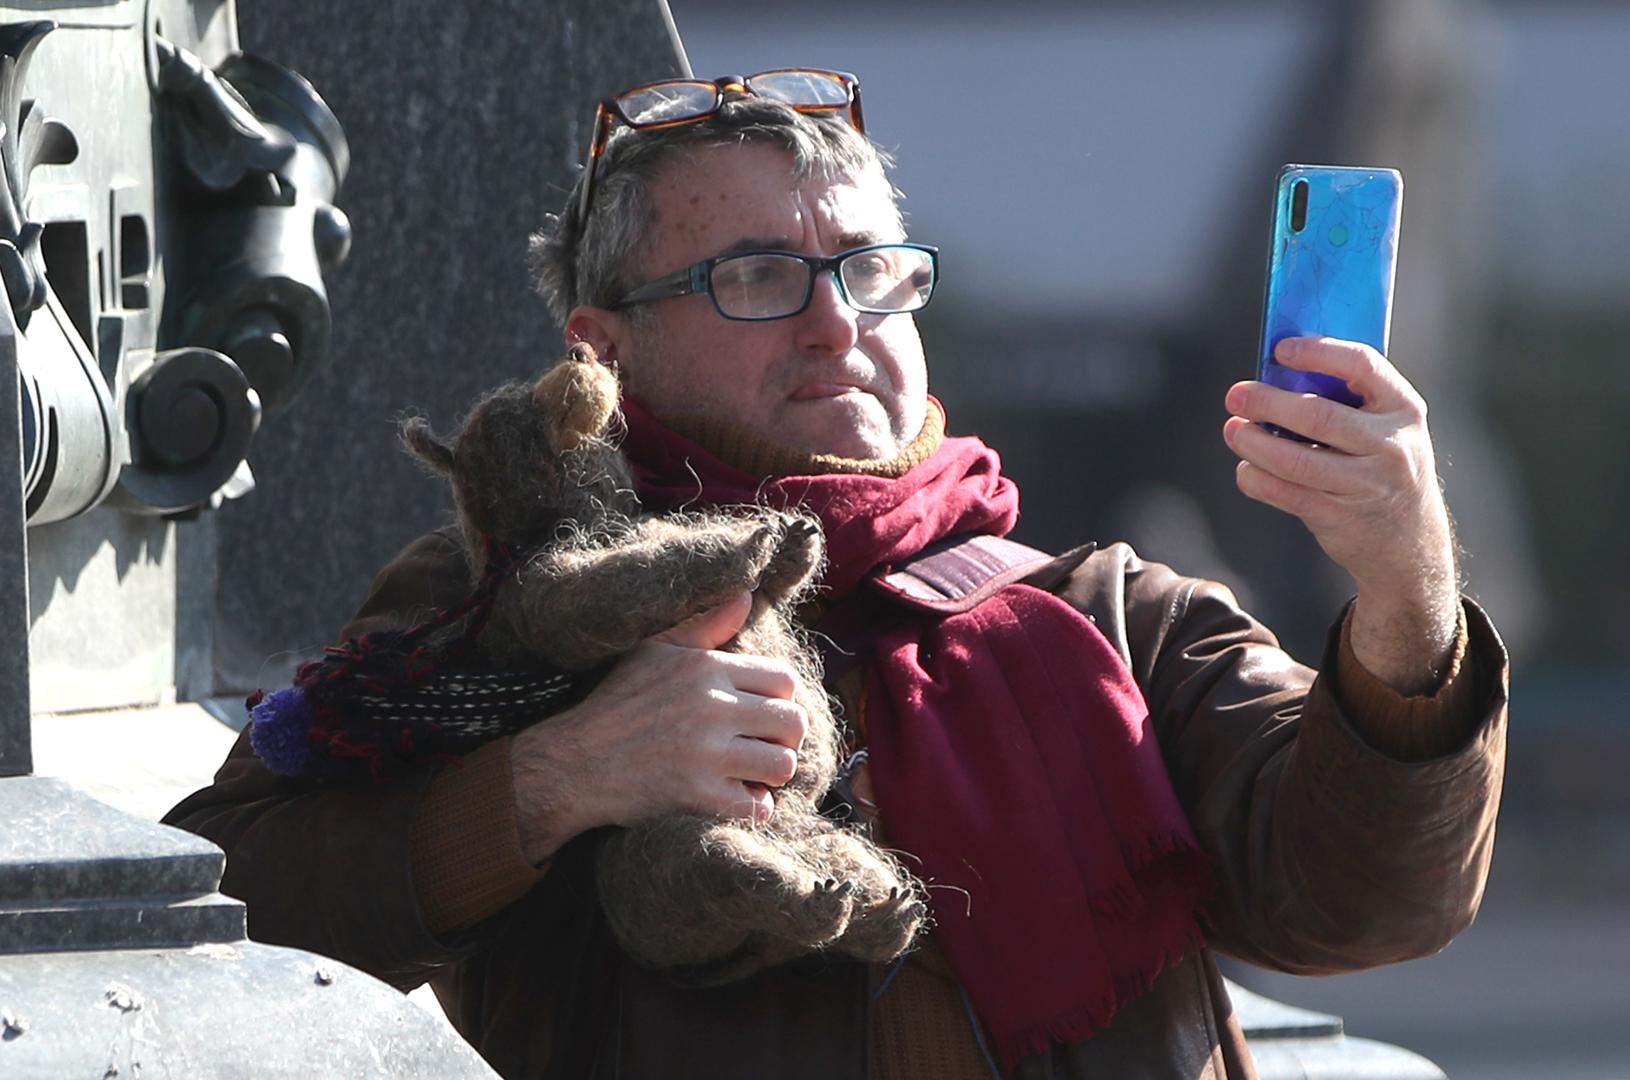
[
  {"x": 578, "y": 397},
  {"x": 422, "y": 443}
]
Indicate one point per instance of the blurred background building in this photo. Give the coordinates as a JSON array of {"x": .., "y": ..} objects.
[{"x": 1099, "y": 178}]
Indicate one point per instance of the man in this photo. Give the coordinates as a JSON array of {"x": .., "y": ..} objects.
[{"x": 1101, "y": 774}]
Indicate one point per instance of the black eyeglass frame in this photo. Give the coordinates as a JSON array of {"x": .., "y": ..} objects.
[
  {"x": 611, "y": 109},
  {"x": 698, "y": 278}
]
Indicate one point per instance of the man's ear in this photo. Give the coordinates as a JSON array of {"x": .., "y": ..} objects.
[{"x": 605, "y": 331}]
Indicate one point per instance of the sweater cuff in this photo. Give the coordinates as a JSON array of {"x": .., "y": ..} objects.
[
  {"x": 1417, "y": 728},
  {"x": 467, "y": 859}
]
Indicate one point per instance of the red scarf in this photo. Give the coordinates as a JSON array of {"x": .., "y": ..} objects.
[{"x": 1010, "y": 749}]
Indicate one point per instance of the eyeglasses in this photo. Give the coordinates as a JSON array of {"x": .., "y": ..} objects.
[
  {"x": 756, "y": 286},
  {"x": 673, "y": 102}
]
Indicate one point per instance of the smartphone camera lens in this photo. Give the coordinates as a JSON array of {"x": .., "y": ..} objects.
[{"x": 1298, "y": 206}]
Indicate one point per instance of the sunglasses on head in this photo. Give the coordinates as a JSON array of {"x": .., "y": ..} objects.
[{"x": 673, "y": 102}]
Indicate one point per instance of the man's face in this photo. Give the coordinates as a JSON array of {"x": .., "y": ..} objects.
[{"x": 828, "y": 380}]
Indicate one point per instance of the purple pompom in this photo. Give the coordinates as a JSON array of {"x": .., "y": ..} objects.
[{"x": 280, "y": 730}]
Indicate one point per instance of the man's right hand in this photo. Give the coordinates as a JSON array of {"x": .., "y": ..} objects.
[{"x": 675, "y": 727}]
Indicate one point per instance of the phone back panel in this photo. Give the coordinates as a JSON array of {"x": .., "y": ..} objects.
[{"x": 1333, "y": 277}]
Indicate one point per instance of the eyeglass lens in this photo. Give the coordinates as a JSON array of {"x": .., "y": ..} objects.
[
  {"x": 760, "y": 286},
  {"x": 767, "y": 285},
  {"x": 888, "y": 279},
  {"x": 671, "y": 102},
  {"x": 668, "y": 102},
  {"x": 801, "y": 88}
]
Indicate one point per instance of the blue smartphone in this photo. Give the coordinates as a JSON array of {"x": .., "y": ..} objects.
[{"x": 1331, "y": 266}]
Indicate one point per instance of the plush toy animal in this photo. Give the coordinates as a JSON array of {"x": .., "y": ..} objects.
[{"x": 704, "y": 900}]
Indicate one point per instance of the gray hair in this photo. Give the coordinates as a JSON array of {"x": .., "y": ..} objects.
[{"x": 576, "y": 262}]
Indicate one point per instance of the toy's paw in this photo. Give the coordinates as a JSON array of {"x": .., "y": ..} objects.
[
  {"x": 887, "y": 910},
  {"x": 798, "y": 551},
  {"x": 834, "y": 888},
  {"x": 759, "y": 885},
  {"x": 819, "y": 917},
  {"x": 884, "y": 925}
]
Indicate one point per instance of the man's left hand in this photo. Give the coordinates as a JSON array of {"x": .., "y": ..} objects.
[{"x": 1368, "y": 491}]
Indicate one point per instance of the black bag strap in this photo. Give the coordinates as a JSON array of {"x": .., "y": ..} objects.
[{"x": 959, "y": 573}]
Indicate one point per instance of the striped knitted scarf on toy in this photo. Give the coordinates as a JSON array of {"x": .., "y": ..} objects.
[{"x": 378, "y": 705}]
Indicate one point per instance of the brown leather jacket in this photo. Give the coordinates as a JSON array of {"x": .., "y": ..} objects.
[{"x": 1340, "y": 841}]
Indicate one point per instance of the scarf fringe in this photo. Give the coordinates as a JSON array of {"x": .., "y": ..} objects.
[
  {"x": 1081, "y": 1024},
  {"x": 1155, "y": 846},
  {"x": 1121, "y": 901},
  {"x": 1124, "y": 900}
]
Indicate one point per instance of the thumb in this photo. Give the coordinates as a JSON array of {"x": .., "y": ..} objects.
[{"x": 712, "y": 628}]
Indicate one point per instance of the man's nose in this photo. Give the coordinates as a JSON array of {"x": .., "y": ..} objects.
[{"x": 829, "y": 324}]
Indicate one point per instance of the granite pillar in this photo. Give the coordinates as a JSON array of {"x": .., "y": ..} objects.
[
  {"x": 16, "y": 757},
  {"x": 466, "y": 124}
]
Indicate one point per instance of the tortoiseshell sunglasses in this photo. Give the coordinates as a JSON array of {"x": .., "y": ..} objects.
[{"x": 673, "y": 102}]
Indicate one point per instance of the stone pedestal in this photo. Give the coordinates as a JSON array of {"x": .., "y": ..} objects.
[
  {"x": 119, "y": 957},
  {"x": 216, "y": 1012},
  {"x": 1298, "y": 1044}
]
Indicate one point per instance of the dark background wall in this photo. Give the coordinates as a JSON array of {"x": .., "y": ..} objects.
[{"x": 466, "y": 123}]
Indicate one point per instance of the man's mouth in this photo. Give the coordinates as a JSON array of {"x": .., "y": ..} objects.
[{"x": 814, "y": 391}]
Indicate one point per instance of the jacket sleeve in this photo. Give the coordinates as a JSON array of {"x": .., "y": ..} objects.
[
  {"x": 1330, "y": 853},
  {"x": 337, "y": 869}
]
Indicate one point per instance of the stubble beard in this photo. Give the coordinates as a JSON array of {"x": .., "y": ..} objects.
[{"x": 644, "y": 375}]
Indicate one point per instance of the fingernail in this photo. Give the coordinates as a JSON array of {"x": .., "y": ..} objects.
[{"x": 1289, "y": 348}]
